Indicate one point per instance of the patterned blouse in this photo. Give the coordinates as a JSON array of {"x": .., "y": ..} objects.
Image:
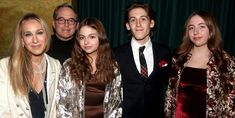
[
  {"x": 70, "y": 96},
  {"x": 218, "y": 104}
]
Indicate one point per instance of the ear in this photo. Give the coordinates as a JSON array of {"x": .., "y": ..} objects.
[
  {"x": 128, "y": 26},
  {"x": 22, "y": 42},
  {"x": 77, "y": 25},
  {"x": 152, "y": 23},
  {"x": 53, "y": 23},
  {"x": 210, "y": 35}
]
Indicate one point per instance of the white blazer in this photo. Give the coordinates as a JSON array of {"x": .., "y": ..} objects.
[{"x": 12, "y": 106}]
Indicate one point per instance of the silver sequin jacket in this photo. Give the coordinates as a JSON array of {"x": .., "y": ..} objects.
[{"x": 70, "y": 96}]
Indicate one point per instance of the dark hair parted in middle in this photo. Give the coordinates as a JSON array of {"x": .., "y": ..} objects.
[{"x": 105, "y": 65}]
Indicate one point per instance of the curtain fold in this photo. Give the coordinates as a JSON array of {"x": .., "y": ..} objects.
[{"x": 170, "y": 18}]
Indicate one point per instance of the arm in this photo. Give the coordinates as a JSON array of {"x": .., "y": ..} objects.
[
  {"x": 170, "y": 99},
  {"x": 113, "y": 99},
  {"x": 4, "y": 105},
  {"x": 231, "y": 81},
  {"x": 66, "y": 94}
]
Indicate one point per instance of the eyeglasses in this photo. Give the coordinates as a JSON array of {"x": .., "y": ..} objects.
[{"x": 70, "y": 21}]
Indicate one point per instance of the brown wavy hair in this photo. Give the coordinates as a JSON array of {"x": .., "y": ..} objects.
[
  {"x": 80, "y": 66},
  {"x": 214, "y": 44}
]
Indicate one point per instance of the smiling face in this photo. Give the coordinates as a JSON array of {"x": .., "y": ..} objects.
[
  {"x": 139, "y": 24},
  {"x": 198, "y": 31},
  {"x": 34, "y": 37},
  {"x": 89, "y": 40},
  {"x": 65, "y": 30}
]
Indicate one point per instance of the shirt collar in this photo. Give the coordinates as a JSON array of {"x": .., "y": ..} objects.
[{"x": 136, "y": 45}]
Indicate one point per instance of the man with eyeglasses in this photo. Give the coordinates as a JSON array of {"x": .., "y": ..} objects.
[{"x": 65, "y": 24}]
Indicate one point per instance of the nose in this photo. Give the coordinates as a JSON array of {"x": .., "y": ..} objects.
[
  {"x": 66, "y": 23},
  {"x": 137, "y": 22},
  {"x": 35, "y": 39},
  {"x": 196, "y": 30},
  {"x": 86, "y": 40}
]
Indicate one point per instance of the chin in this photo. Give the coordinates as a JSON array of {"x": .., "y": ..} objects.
[{"x": 37, "y": 53}]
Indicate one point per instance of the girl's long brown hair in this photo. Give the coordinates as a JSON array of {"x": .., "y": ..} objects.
[
  {"x": 105, "y": 65},
  {"x": 214, "y": 44}
]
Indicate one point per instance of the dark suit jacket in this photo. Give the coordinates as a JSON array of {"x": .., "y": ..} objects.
[{"x": 143, "y": 98}]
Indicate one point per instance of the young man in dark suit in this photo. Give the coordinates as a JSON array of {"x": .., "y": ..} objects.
[{"x": 145, "y": 72}]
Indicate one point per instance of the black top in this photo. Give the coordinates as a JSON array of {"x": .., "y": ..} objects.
[
  {"x": 36, "y": 102},
  {"x": 59, "y": 49}
]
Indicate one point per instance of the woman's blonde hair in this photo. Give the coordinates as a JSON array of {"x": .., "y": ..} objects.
[{"x": 20, "y": 65}]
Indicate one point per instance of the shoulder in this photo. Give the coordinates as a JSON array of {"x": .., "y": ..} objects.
[
  {"x": 227, "y": 55},
  {"x": 230, "y": 60},
  {"x": 67, "y": 62},
  {"x": 66, "y": 66},
  {"x": 161, "y": 47},
  {"x": 4, "y": 60},
  {"x": 122, "y": 51},
  {"x": 122, "y": 48},
  {"x": 52, "y": 61},
  {"x": 4, "y": 63},
  {"x": 3, "y": 72}
]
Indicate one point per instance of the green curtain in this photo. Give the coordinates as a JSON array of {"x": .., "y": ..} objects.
[{"x": 170, "y": 18}]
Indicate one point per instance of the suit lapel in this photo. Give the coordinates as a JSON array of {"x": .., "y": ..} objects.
[
  {"x": 155, "y": 58},
  {"x": 51, "y": 78},
  {"x": 131, "y": 61}
]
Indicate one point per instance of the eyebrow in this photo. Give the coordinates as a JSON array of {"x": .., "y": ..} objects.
[
  {"x": 66, "y": 18},
  {"x": 198, "y": 24},
  {"x": 140, "y": 16},
  {"x": 40, "y": 29},
  {"x": 89, "y": 34}
]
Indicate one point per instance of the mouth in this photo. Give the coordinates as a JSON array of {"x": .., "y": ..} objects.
[
  {"x": 196, "y": 38},
  {"x": 66, "y": 30},
  {"x": 36, "y": 46},
  {"x": 87, "y": 47},
  {"x": 139, "y": 30}
]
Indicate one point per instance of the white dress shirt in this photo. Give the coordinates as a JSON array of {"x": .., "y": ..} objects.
[{"x": 148, "y": 54}]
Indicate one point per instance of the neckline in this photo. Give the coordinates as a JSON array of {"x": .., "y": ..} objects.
[{"x": 195, "y": 67}]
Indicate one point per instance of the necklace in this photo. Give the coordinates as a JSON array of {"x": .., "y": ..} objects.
[{"x": 40, "y": 68}]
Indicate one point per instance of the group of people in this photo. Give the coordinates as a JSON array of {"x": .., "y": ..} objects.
[{"x": 76, "y": 74}]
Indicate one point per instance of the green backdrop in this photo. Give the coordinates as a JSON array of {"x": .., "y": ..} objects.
[{"x": 170, "y": 18}]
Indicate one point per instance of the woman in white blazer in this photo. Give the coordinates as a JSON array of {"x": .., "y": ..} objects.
[{"x": 29, "y": 77}]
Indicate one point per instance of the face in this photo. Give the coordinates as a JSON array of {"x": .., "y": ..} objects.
[
  {"x": 89, "y": 40},
  {"x": 34, "y": 37},
  {"x": 139, "y": 24},
  {"x": 198, "y": 31},
  {"x": 65, "y": 24}
]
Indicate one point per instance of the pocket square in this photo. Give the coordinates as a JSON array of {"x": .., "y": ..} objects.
[{"x": 162, "y": 63}]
